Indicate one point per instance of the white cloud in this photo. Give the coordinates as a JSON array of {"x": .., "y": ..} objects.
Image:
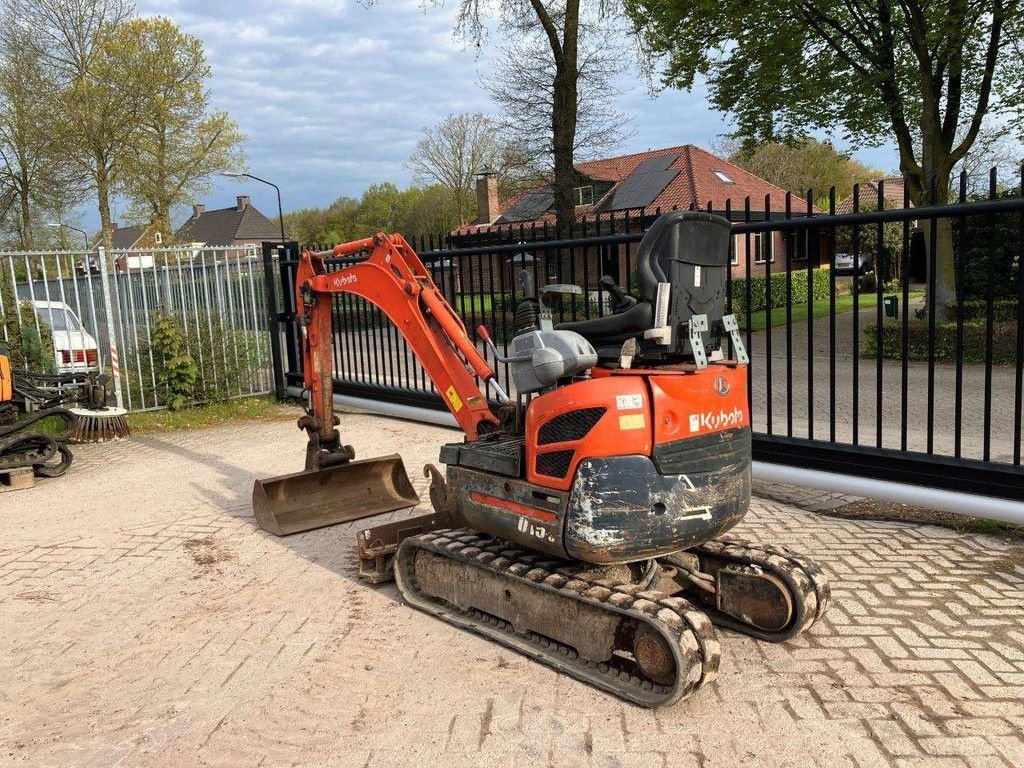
[{"x": 334, "y": 95}]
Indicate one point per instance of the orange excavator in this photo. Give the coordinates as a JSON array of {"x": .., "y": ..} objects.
[{"x": 581, "y": 520}]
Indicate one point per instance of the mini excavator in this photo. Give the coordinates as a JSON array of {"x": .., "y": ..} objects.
[{"x": 581, "y": 521}]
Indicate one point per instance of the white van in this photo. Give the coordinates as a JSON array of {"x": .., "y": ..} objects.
[{"x": 74, "y": 349}]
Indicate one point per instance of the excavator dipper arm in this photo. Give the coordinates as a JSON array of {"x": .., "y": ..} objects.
[{"x": 386, "y": 271}]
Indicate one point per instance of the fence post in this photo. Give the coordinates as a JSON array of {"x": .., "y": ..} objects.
[
  {"x": 115, "y": 365},
  {"x": 273, "y": 318}
]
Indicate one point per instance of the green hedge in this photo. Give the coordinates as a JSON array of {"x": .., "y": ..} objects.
[
  {"x": 1004, "y": 342},
  {"x": 822, "y": 287},
  {"x": 1004, "y": 310}
]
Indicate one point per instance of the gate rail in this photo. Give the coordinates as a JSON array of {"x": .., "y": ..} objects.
[{"x": 917, "y": 398}]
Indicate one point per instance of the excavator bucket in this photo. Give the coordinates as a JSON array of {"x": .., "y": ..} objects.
[{"x": 316, "y": 498}]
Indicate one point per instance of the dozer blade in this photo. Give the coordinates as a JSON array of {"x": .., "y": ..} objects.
[{"x": 316, "y": 498}]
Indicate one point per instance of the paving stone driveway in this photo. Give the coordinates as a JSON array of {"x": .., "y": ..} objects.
[{"x": 147, "y": 621}]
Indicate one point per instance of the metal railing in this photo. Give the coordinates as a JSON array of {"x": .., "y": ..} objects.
[
  {"x": 123, "y": 313},
  {"x": 852, "y": 370}
]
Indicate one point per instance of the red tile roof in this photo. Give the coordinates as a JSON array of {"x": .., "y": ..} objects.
[
  {"x": 696, "y": 184},
  {"x": 892, "y": 191}
]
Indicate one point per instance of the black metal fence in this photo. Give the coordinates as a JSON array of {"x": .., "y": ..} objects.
[{"x": 853, "y": 369}]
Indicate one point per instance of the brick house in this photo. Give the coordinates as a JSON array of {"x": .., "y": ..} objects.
[
  {"x": 242, "y": 224},
  {"x": 893, "y": 191},
  {"x": 623, "y": 194}
]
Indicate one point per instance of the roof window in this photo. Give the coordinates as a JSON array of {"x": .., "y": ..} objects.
[{"x": 723, "y": 176}]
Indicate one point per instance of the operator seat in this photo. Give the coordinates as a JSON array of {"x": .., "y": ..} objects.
[{"x": 689, "y": 250}]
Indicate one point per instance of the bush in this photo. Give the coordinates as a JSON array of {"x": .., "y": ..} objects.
[
  {"x": 1004, "y": 342},
  {"x": 177, "y": 372},
  {"x": 1004, "y": 310},
  {"x": 821, "y": 283},
  {"x": 988, "y": 244},
  {"x": 226, "y": 360}
]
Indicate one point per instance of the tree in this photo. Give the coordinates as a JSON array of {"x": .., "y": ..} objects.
[
  {"x": 180, "y": 142},
  {"x": 35, "y": 174},
  {"x": 324, "y": 226},
  {"x": 807, "y": 164},
  {"x": 995, "y": 147},
  {"x": 523, "y": 88},
  {"x": 101, "y": 105},
  {"x": 559, "y": 23},
  {"x": 429, "y": 212},
  {"x": 923, "y": 75},
  {"x": 453, "y": 152}
]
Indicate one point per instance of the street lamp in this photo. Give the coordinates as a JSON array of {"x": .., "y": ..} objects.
[
  {"x": 280, "y": 213},
  {"x": 85, "y": 235}
]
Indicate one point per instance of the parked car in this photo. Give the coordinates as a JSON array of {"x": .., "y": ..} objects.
[
  {"x": 862, "y": 268},
  {"x": 74, "y": 349}
]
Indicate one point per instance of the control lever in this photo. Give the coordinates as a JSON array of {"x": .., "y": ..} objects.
[
  {"x": 623, "y": 300},
  {"x": 547, "y": 294}
]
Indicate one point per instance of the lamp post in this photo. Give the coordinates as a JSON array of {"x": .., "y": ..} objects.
[
  {"x": 271, "y": 288},
  {"x": 82, "y": 232},
  {"x": 280, "y": 213}
]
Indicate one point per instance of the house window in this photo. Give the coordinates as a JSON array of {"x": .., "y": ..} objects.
[
  {"x": 723, "y": 176},
  {"x": 159, "y": 238},
  {"x": 797, "y": 244},
  {"x": 763, "y": 250},
  {"x": 584, "y": 195}
]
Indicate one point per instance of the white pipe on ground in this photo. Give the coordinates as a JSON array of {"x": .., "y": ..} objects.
[
  {"x": 930, "y": 498},
  {"x": 968, "y": 504},
  {"x": 411, "y": 412}
]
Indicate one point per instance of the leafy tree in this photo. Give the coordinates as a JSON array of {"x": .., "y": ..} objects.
[
  {"x": 324, "y": 226},
  {"x": 35, "y": 173},
  {"x": 888, "y": 258},
  {"x": 924, "y": 75},
  {"x": 807, "y": 164},
  {"x": 430, "y": 211},
  {"x": 180, "y": 142},
  {"x": 101, "y": 105},
  {"x": 380, "y": 210}
]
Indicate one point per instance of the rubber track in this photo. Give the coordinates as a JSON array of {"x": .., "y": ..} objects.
[
  {"x": 805, "y": 578},
  {"x": 675, "y": 617},
  {"x": 19, "y": 448}
]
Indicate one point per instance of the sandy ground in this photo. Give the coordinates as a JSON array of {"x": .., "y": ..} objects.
[{"x": 148, "y": 621}]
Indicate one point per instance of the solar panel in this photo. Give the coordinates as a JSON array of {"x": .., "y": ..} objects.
[
  {"x": 530, "y": 206},
  {"x": 659, "y": 163},
  {"x": 641, "y": 187}
]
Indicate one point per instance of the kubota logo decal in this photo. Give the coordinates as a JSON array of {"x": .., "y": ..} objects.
[
  {"x": 340, "y": 281},
  {"x": 712, "y": 422},
  {"x": 722, "y": 386}
]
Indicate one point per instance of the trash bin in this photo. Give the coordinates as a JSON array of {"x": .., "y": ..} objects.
[{"x": 892, "y": 306}]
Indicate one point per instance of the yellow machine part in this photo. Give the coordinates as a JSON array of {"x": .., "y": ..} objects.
[{"x": 6, "y": 385}]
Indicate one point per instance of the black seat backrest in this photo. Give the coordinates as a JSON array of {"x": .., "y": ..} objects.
[{"x": 690, "y": 251}]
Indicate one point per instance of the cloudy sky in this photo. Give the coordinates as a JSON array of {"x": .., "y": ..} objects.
[{"x": 334, "y": 95}]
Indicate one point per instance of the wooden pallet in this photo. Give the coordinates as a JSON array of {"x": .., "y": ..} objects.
[{"x": 17, "y": 479}]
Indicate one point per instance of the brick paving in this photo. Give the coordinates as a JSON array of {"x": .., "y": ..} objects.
[{"x": 147, "y": 621}]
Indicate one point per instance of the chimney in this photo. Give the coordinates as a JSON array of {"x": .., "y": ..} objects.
[
  {"x": 486, "y": 196},
  {"x": 198, "y": 210},
  {"x": 243, "y": 202},
  {"x": 113, "y": 226}
]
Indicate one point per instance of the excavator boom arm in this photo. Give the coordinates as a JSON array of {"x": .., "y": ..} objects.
[{"x": 386, "y": 271}]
